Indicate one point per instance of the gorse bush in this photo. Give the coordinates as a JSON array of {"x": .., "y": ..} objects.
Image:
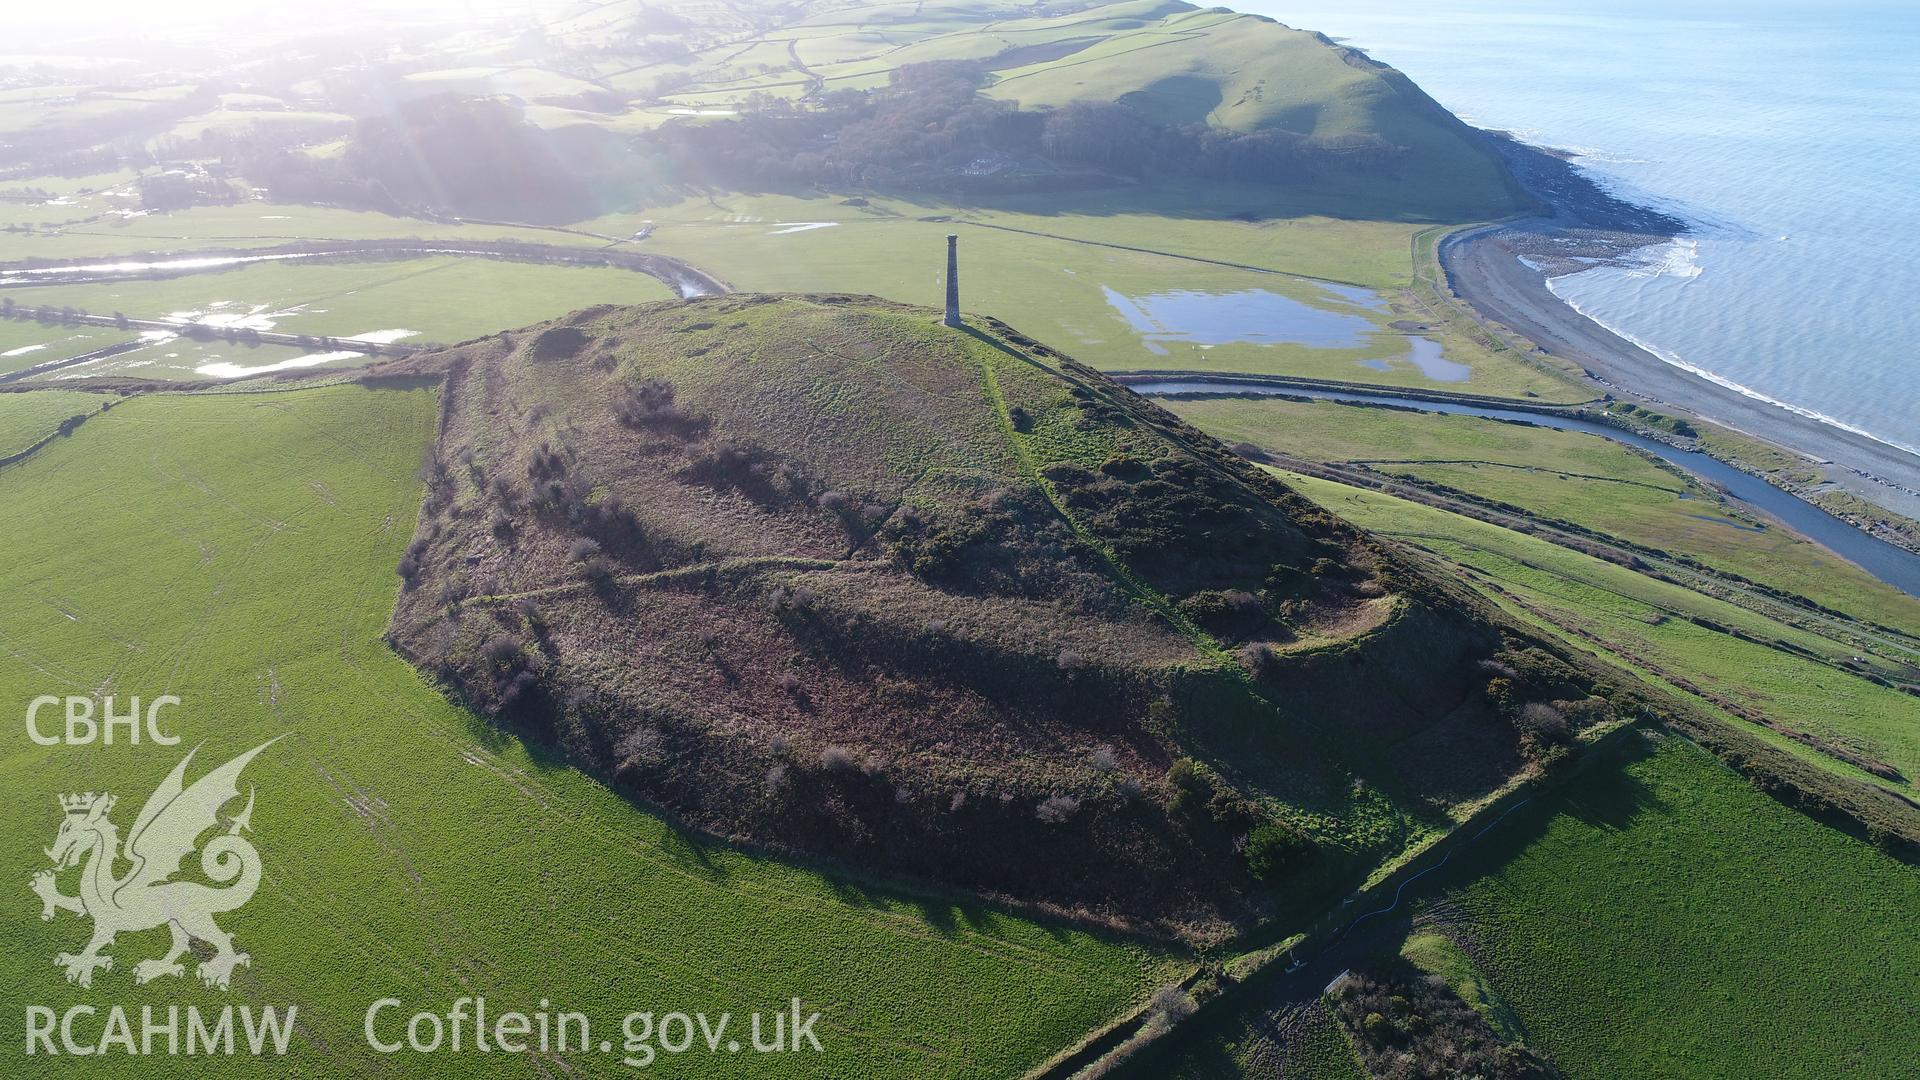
[
  {"x": 1274, "y": 848},
  {"x": 1173, "y": 1002},
  {"x": 409, "y": 568},
  {"x": 651, "y": 404},
  {"x": 548, "y": 463},
  {"x": 762, "y": 475},
  {"x": 1057, "y": 809},
  {"x": 1545, "y": 721},
  {"x": 1197, "y": 794},
  {"x": 1262, "y": 660},
  {"x": 1408, "y": 1025},
  {"x": 511, "y": 670},
  {"x": 642, "y": 746}
]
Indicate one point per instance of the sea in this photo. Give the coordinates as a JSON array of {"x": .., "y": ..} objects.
[{"x": 1785, "y": 132}]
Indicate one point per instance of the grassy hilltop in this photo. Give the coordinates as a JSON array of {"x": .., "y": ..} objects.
[{"x": 819, "y": 573}]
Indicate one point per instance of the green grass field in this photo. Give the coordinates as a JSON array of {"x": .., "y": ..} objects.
[
  {"x": 247, "y": 224},
  {"x": 45, "y": 201},
  {"x": 1251, "y": 225},
  {"x": 237, "y": 550},
  {"x": 25, "y": 419},
  {"x": 1650, "y": 621},
  {"x": 1656, "y": 917},
  {"x": 1584, "y": 479},
  {"x": 25, "y": 109},
  {"x": 24, "y": 343},
  {"x": 439, "y": 299},
  {"x": 1067, "y": 291},
  {"x": 1666, "y": 920}
]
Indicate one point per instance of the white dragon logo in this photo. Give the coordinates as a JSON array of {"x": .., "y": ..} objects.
[{"x": 166, "y": 832}]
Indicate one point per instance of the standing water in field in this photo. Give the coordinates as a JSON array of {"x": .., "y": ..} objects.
[
  {"x": 1260, "y": 317},
  {"x": 1253, "y": 316}
]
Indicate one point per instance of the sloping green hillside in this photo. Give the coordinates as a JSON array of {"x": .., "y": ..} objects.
[{"x": 1245, "y": 73}]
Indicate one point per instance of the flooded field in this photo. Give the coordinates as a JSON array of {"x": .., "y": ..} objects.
[
  {"x": 220, "y": 303},
  {"x": 1428, "y": 357},
  {"x": 1340, "y": 317},
  {"x": 1251, "y": 316}
]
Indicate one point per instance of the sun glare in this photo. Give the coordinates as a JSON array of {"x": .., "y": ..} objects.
[{"x": 132, "y": 22}]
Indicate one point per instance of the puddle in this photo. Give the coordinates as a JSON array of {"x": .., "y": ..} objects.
[
  {"x": 800, "y": 226},
  {"x": 1427, "y": 356},
  {"x": 382, "y": 337},
  {"x": 1356, "y": 295},
  {"x": 225, "y": 370},
  {"x": 220, "y": 316},
  {"x": 1431, "y": 359},
  {"x": 1253, "y": 316},
  {"x": 23, "y": 350},
  {"x": 200, "y": 263}
]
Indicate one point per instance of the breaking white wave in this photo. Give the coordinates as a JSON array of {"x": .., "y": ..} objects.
[
  {"x": 1678, "y": 258},
  {"x": 1826, "y": 319},
  {"x": 1670, "y": 357},
  {"x": 1604, "y": 157}
]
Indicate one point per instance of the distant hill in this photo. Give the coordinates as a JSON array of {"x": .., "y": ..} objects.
[
  {"x": 1246, "y": 73},
  {"x": 818, "y": 573},
  {"x": 955, "y": 97},
  {"x": 1179, "y": 65}
]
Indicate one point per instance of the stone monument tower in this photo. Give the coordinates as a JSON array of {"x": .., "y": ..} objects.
[{"x": 953, "y": 281}]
